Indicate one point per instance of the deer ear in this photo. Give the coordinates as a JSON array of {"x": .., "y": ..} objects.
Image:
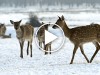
[
  {"x": 42, "y": 23},
  {"x": 59, "y": 18},
  {"x": 62, "y": 17},
  {"x": 2, "y": 24},
  {"x": 11, "y": 22},
  {"x": 20, "y": 21}
]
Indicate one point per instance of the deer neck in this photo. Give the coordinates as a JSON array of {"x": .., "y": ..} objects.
[
  {"x": 66, "y": 30},
  {"x": 19, "y": 32}
]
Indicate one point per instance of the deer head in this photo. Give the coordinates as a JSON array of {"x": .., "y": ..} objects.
[
  {"x": 2, "y": 24},
  {"x": 16, "y": 24},
  {"x": 42, "y": 23},
  {"x": 59, "y": 22}
]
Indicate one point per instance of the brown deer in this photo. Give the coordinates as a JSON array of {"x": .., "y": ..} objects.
[
  {"x": 80, "y": 35},
  {"x": 6, "y": 36},
  {"x": 24, "y": 32},
  {"x": 2, "y": 29},
  {"x": 47, "y": 47},
  {"x": 41, "y": 38}
]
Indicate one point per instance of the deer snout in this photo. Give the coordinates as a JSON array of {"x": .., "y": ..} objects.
[
  {"x": 16, "y": 28},
  {"x": 54, "y": 26}
]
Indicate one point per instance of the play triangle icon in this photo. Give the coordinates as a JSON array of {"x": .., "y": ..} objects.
[{"x": 49, "y": 37}]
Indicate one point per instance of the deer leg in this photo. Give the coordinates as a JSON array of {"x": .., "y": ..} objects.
[
  {"x": 31, "y": 48},
  {"x": 46, "y": 49},
  {"x": 82, "y": 51},
  {"x": 94, "y": 55},
  {"x": 28, "y": 48},
  {"x": 44, "y": 45},
  {"x": 20, "y": 50},
  {"x": 74, "y": 51},
  {"x": 50, "y": 48},
  {"x": 21, "y": 46},
  {"x": 97, "y": 49},
  {"x": 41, "y": 44}
]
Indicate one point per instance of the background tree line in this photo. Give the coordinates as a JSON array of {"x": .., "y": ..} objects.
[{"x": 24, "y": 3}]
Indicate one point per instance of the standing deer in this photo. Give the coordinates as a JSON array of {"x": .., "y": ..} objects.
[
  {"x": 24, "y": 32},
  {"x": 47, "y": 46},
  {"x": 2, "y": 29},
  {"x": 41, "y": 38},
  {"x": 80, "y": 35}
]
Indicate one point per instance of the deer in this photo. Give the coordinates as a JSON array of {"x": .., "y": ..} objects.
[
  {"x": 2, "y": 29},
  {"x": 41, "y": 38},
  {"x": 6, "y": 36},
  {"x": 24, "y": 33},
  {"x": 47, "y": 46},
  {"x": 80, "y": 35}
]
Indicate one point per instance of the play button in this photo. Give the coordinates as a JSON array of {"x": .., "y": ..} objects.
[{"x": 47, "y": 37}]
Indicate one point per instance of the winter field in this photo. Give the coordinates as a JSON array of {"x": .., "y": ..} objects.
[{"x": 58, "y": 62}]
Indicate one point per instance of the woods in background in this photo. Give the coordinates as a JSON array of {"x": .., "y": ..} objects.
[{"x": 24, "y": 3}]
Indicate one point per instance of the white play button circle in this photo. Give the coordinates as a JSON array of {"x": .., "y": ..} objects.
[{"x": 46, "y": 35}]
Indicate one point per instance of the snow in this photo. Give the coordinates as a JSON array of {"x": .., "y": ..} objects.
[
  {"x": 55, "y": 64},
  {"x": 5, "y": 18}
]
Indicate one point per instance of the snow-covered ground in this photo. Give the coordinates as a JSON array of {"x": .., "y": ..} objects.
[
  {"x": 72, "y": 19},
  {"x": 55, "y": 64}
]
